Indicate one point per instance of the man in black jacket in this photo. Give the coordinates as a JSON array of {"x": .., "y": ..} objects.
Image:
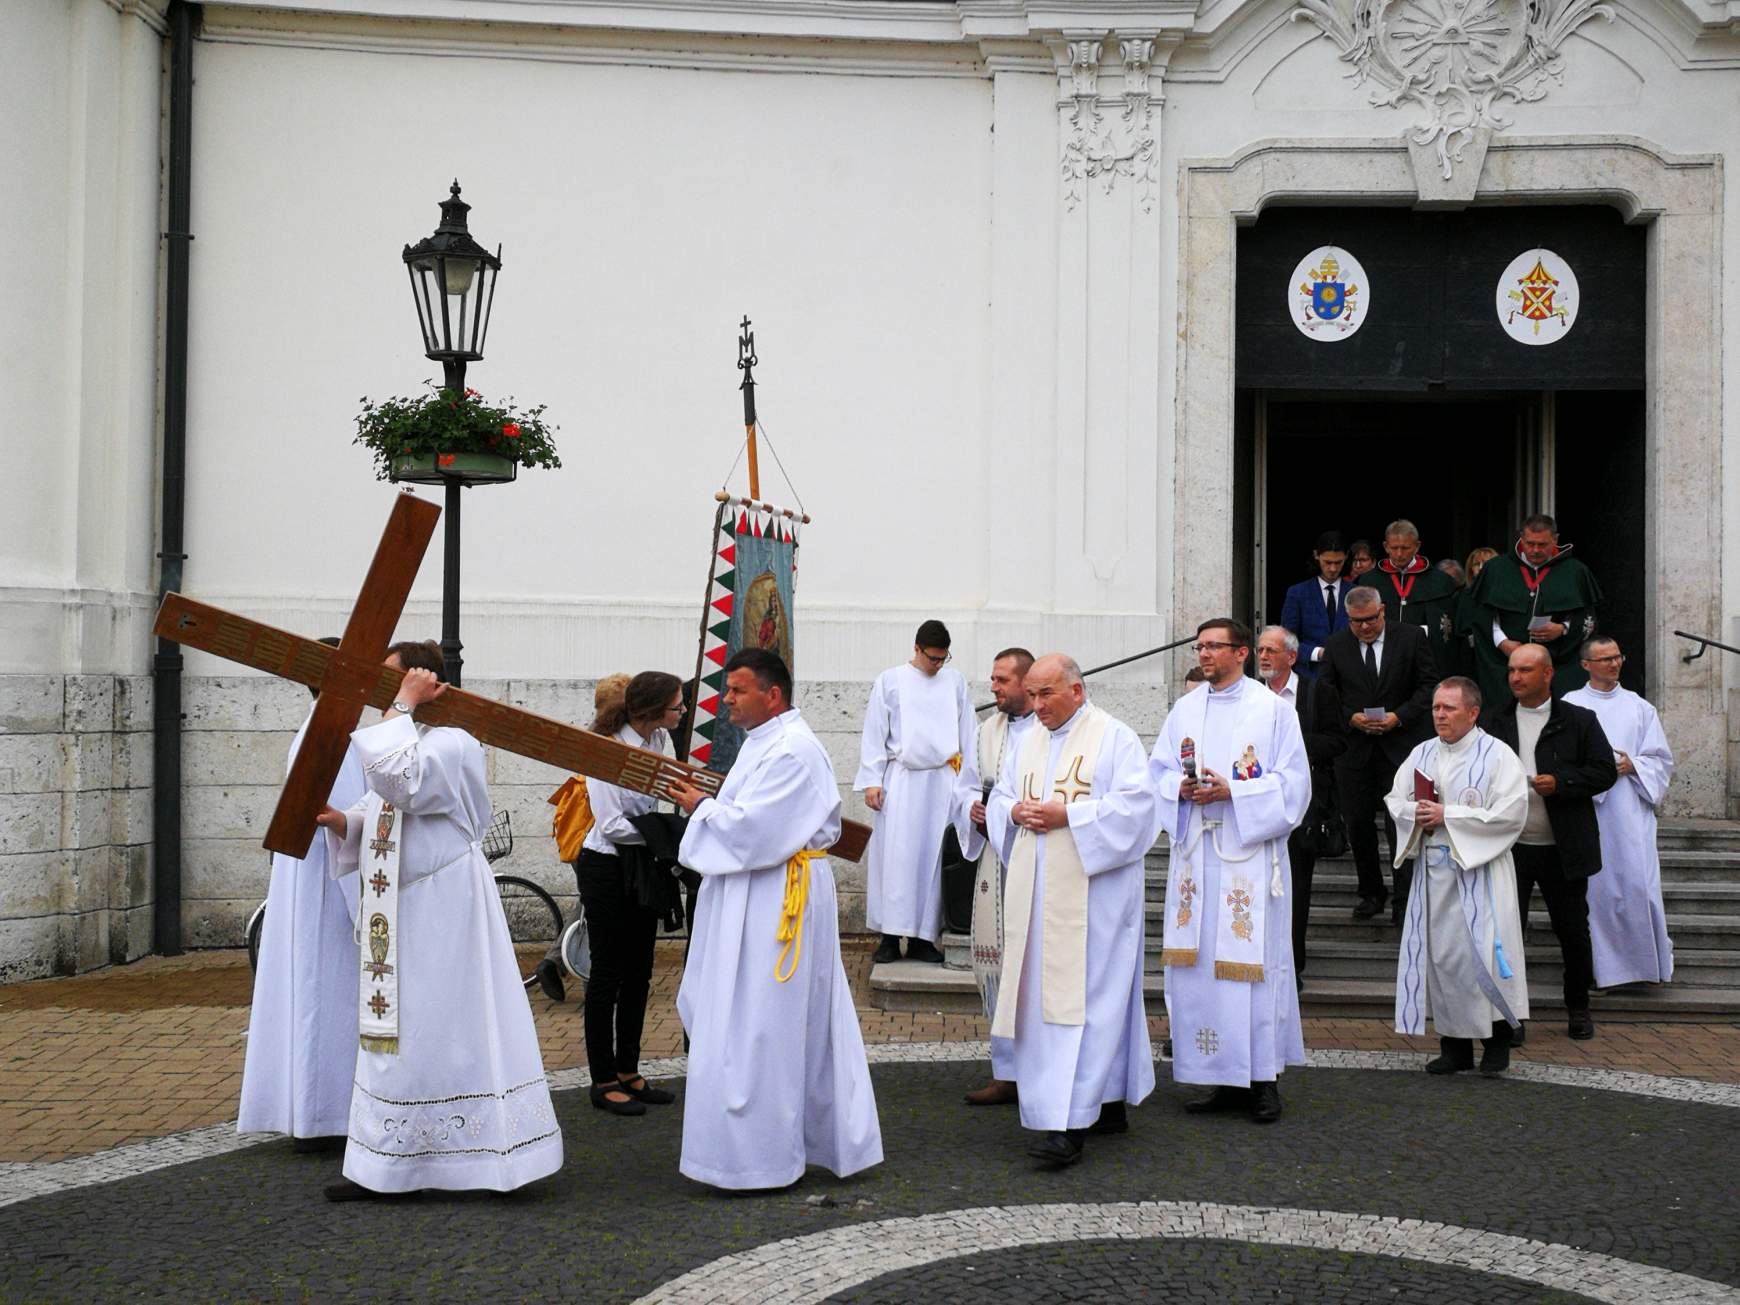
[
  {"x": 1320, "y": 723},
  {"x": 1383, "y": 680},
  {"x": 1568, "y": 761}
]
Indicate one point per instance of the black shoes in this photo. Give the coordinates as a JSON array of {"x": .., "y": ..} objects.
[
  {"x": 1266, "y": 1102},
  {"x": 1057, "y": 1149},
  {"x": 603, "y": 1101},
  {"x": 917, "y": 949},
  {"x": 549, "y": 977},
  {"x": 1369, "y": 906},
  {"x": 1582, "y": 1025},
  {"x": 1495, "y": 1052},
  {"x": 318, "y": 1145},
  {"x": 1221, "y": 1098},
  {"x": 646, "y": 1093},
  {"x": 1456, "y": 1055},
  {"x": 887, "y": 950}
]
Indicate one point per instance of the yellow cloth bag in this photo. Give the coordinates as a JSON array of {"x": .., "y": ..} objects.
[{"x": 574, "y": 819}]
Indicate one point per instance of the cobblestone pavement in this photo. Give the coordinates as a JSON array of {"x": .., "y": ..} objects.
[
  {"x": 137, "y": 1052},
  {"x": 1588, "y": 1193}
]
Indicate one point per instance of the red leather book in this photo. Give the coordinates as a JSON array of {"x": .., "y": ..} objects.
[{"x": 1424, "y": 789}]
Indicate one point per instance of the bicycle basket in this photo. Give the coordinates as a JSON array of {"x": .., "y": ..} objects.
[{"x": 498, "y": 839}]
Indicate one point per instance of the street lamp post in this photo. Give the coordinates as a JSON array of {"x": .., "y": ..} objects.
[{"x": 453, "y": 283}]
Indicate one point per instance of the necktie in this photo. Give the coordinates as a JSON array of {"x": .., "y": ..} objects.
[
  {"x": 1329, "y": 607},
  {"x": 1371, "y": 661}
]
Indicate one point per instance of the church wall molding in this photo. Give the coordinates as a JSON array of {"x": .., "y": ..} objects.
[{"x": 1679, "y": 196}]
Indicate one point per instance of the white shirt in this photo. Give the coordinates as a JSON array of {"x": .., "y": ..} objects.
[
  {"x": 1530, "y": 721},
  {"x": 613, "y": 807},
  {"x": 1289, "y": 692},
  {"x": 1377, "y": 648},
  {"x": 1331, "y": 589}
]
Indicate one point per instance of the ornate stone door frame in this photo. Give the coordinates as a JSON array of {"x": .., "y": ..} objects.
[{"x": 1680, "y": 197}]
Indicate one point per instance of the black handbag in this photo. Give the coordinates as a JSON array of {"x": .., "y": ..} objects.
[{"x": 1325, "y": 833}]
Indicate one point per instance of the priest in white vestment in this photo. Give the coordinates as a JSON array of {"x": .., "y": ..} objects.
[
  {"x": 450, "y": 1091},
  {"x": 1000, "y": 735},
  {"x": 1627, "y": 922},
  {"x": 301, "y": 1057},
  {"x": 778, "y": 1078},
  {"x": 916, "y": 773},
  {"x": 1461, "y": 961},
  {"x": 1073, "y": 817},
  {"x": 1233, "y": 782}
]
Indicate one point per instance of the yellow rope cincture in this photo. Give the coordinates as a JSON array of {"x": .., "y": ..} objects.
[
  {"x": 955, "y": 763},
  {"x": 791, "y": 916}
]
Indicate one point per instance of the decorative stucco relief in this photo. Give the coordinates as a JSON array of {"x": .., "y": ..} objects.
[
  {"x": 1099, "y": 148},
  {"x": 1456, "y": 61}
]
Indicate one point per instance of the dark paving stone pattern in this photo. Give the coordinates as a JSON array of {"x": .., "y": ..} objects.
[
  {"x": 1643, "y": 1179},
  {"x": 1193, "y": 1273}
]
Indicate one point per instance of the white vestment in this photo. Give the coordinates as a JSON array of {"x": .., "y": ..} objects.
[
  {"x": 914, "y": 726},
  {"x": 1627, "y": 924},
  {"x": 777, "y": 1073},
  {"x": 1066, "y": 1072},
  {"x": 301, "y": 1056},
  {"x": 1233, "y": 1032},
  {"x": 463, "y": 1103},
  {"x": 999, "y": 738},
  {"x": 1461, "y": 961}
]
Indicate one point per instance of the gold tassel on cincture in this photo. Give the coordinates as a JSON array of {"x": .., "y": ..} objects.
[{"x": 791, "y": 916}]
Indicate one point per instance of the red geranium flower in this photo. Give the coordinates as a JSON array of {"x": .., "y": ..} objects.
[{"x": 511, "y": 430}]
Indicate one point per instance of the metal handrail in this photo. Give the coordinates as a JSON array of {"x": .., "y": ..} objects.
[
  {"x": 1704, "y": 646},
  {"x": 1122, "y": 661}
]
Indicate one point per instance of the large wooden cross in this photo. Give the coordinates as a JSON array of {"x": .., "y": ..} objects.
[{"x": 352, "y": 676}]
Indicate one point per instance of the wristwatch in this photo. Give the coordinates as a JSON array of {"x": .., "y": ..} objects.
[{"x": 404, "y": 709}]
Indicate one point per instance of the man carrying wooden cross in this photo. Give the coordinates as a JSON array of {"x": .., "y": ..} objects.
[{"x": 450, "y": 1089}]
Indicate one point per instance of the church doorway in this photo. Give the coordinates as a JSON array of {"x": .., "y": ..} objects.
[{"x": 1430, "y": 412}]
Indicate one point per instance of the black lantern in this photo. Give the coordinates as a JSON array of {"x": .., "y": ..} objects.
[{"x": 453, "y": 283}]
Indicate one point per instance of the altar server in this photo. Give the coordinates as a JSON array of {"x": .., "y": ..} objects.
[
  {"x": 915, "y": 765},
  {"x": 1627, "y": 923},
  {"x": 450, "y": 1089},
  {"x": 301, "y": 1057},
  {"x": 778, "y": 1078},
  {"x": 1233, "y": 782},
  {"x": 1072, "y": 816},
  {"x": 1460, "y": 800}
]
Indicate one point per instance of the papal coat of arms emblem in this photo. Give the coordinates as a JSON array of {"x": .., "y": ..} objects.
[
  {"x": 1329, "y": 296},
  {"x": 1537, "y": 298}
]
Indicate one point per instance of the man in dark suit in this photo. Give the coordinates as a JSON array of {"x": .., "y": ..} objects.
[
  {"x": 1317, "y": 608},
  {"x": 1383, "y": 677},
  {"x": 1320, "y": 723},
  {"x": 1568, "y": 760}
]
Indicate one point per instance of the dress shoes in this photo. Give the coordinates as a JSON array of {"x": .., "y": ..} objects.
[
  {"x": 549, "y": 977},
  {"x": 918, "y": 949},
  {"x": 1495, "y": 1054},
  {"x": 998, "y": 1092},
  {"x": 1266, "y": 1102},
  {"x": 1582, "y": 1024},
  {"x": 602, "y": 1101},
  {"x": 887, "y": 951},
  {"x": 646, "y": 1093},
  {"x": 1221, "y": 1098},
  {"x": 1057, "y": 1149},
  {"x": 1367, "y": 907},
  {"x": 1113, "y": 1119},
  {"x": 318, "y": 1145},
  {"x": 1455, "y": 1056}
]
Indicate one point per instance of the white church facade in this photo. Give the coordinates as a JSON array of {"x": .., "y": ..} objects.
[{"x": 1035, "y": 351}]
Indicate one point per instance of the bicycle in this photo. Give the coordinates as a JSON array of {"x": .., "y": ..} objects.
[{"x": 534, "y": 920}]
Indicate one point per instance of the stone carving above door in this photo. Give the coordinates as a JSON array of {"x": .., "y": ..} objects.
[
  {"x": 1457, "y": 62},
  {"x": 1098, "y": 149}
]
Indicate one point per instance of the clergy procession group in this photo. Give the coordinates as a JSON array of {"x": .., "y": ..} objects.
[{"x": 389, "y": 1017}]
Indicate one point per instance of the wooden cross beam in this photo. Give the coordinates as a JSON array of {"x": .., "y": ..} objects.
[{"x": 352, "y": 676}]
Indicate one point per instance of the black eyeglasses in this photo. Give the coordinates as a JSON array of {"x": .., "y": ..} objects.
[
  {"x": 1214, "y": 645},
  {"x": 934, "y": 660}
]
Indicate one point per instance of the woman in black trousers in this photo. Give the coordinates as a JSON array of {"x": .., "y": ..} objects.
[{"x": 620, "y": 931}]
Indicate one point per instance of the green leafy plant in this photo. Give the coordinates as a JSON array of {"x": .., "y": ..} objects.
[{"x": 444, "y": 422}]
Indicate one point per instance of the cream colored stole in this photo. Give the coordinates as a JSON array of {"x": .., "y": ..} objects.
[
  {"x": 987, "y": 932},
  {"x": 377, "y": 925},
  {"x": 1063, "y": 981}
]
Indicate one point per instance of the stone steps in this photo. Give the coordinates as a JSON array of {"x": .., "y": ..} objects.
[{"x": 1352, "y": 963}]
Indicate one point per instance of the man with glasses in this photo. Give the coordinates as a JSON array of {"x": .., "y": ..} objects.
[
  {"x": 917, "y": 772},
  {"x": 1232, "y": 780},
  {"x": 1382, "y": 674},
  {"x": 1627, "y": 925}
]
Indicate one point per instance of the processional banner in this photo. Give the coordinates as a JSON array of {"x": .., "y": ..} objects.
[{"x": 749, "y": 604}]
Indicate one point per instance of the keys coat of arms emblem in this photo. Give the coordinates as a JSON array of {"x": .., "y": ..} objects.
[
  {"x": 1537, "y": 298},
  {"x": 1329, "y": 296}
]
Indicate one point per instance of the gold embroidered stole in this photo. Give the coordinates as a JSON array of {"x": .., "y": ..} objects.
[
  {"x": 378, "y": 927},
  {"x": 1063, "y": 978}
]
